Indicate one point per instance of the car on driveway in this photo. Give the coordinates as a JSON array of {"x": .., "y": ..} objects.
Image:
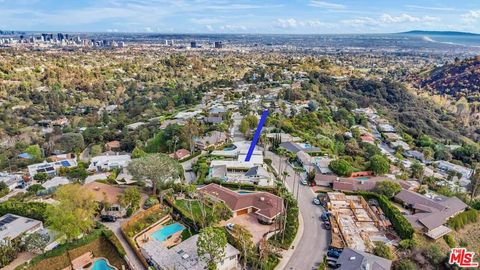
[
  {"x": 108, "y": 218},
  {"x": 325, "y": 216},
  {"x": 304, "y": 182},
  {"x": 316, "y": 201}
]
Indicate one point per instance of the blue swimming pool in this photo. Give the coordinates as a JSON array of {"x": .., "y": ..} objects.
[
  {"x": 101, "y": 264},
  {"x": 245, "y": 192},
  {"x": 362, "y": 178},
  {"x": 165, "y": 232}
]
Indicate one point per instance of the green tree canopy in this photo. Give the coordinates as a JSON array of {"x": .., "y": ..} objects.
[
  {"x": 341, "y": 167},
  {"x": 388, "y": 188},
  {"x": 379, "y": 164},
  {"x": 35, "y": 151},
  {"x": 382, "y": 250},
  {"x": 211, "y": 244},
  {"x": 74, "y": 212}
]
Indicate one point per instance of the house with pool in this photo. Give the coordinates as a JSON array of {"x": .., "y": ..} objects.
[
  {"x": 184, "y": 256},
  {"x": 265, "y": 206}
]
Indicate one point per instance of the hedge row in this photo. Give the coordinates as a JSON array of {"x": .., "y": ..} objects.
[
  {"x": 401, "y": 225},
  {"x": 243, "y": 186},
  {"x": 35, "y": 210},
  {"x": 464, "y": 218}
]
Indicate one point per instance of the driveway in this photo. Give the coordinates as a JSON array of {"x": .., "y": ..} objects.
[
  {"x": 190, "y": 176},
  {"x": 131, "y": 255},
  {"x": 313, "y": 244},
  {"x": 250, "y": 222}
]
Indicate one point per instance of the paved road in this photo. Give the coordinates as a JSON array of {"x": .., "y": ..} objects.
[
  {"x": 190, "y": 176},
  {"x": 132, "y": 256},
  {"x": 314, "y": 242}
]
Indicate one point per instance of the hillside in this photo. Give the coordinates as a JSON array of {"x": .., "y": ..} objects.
[{"x": 461, "y": 78}]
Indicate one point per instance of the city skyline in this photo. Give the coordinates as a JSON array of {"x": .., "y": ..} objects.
[{"x": 237, "y": 17}]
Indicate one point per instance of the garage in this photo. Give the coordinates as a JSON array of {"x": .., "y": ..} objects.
[{"x": 242, "y": 212}]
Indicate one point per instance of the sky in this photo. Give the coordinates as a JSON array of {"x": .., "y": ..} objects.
[{"x": 243, "y": 16}]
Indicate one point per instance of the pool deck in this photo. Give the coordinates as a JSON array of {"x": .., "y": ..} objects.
[{"x": 146, "y": 236}]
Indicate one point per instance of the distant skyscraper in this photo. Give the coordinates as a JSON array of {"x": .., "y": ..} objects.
[
  {"x": 218, "y": 45},
  {"x": 193, "y": 44}
]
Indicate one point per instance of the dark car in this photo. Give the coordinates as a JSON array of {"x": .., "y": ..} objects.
[
  {"x": 108, "y": 218},
  {"x": 333, "y": 253},
  {"x": 325, "y": 216},
  {"x": 327, "y": 225},
  {"x": 333, "y": 265}
]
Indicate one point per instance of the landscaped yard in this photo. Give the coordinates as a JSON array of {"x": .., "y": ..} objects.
[{"x": 193, "y": 207}]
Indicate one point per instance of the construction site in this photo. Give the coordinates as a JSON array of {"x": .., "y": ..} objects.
[{"x": 357, "y": 223}]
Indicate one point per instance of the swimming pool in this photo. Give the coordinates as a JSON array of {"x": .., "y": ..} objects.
[
  {"x": 245, "y": 192},
  {"x": 362, "y": 178},
  {"x": 101, "y": 264},
  {"x": 164, "y": 233}
]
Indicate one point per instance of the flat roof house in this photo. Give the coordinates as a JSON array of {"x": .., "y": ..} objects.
[
  {"x": 184, "y": 256},
  {"x": 51, "y": 168},
  {"x": 11, "y": 180},
  {"x": 264, "y": 205},
  {"x": 13, "y": 226},
  {"x": 430, "y": 214},
  {"x": 108, "y": 162}
]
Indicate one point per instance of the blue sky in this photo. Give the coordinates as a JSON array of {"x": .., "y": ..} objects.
[{"x": 243, "y": 16}]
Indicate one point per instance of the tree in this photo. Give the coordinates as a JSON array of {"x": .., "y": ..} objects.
[
  {"x": 427, "y": 153},
  {"x": 434, "y": 254},
  {"x": 131, "y": 197},
  {"x": 425, "y": 141},
  {"x": 158, "y": 168},
  {"x": 74, "y": 212},
  {"x": 35, "y": 188},
  {"x": 36, "y": 242},
  {"x": 405, "y": 264},
  {"x": 211, "y": 245},
  {"x": 35, "y": 151},
  {"x": 382, "y": 250},
  {"x": 96, "y": 150},
  {"x": 138, "y": 152},
  {"x": 40, "y": 177},
  {"x": 190, "y": 131},
  {"x": 92, "y": 135},
  {"x": 341, "y": 167},
  {"x": 388, "y": 188},
  {"x": 379, "y": 165},
  {"x": 243, "y": 240},
  {"x": 311, "y": 178},
  {"x": 417, "y": 170},
  {"x": 70, "y": 142}
]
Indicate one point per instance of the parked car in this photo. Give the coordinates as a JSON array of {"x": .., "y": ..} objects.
[
  {"x": 335, "y": 249},
  {"x": 304, "y": 182},
  {"x": 230, "y": 226},
  {"x": 333, "y": 253},
  {"x": 332, "y": 264},
  {"x": 325, "y": 216},
  {"x": 316, "y": 201},
  {"x": 327, "y": 225},
  {"x": 108, "y": 218}
]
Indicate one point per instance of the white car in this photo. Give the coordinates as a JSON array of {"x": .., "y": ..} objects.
[
  {"x": 316, "y": 201},
  {"x": 304, "y": 182},
  {"x": 230, "y": 226}
]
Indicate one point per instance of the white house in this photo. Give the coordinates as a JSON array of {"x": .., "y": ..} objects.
[
  {"x": 51, "y": 168},
  {"x": 13, "y": 226},
  {"x": 11, "y": 180},
  {"x": 109, "y": 162}
]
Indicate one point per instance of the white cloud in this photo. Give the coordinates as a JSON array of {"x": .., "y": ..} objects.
[
  {"x": 388, "y": 19},
  {"x": 233, "y": 28},
  {"x": 148, "y": 29},
  {"x": 327, "y": 5},
  {"x": 471, "y": 16},
  {"x": 293, "y": 23},
  {"x": 431, "y": 8}
]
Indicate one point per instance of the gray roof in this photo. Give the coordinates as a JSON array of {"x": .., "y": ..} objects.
[
  {"x": 436, "y": 211},
  {"x": 290, "y": 146},
  {"x": 219, "y": 171},
  {"x": 12, "y": 226},
  {"x": 357, "y": 260},
  {"x": 257, "y": 171},
  {"x": 183, "y": 256},
  {"x": 213, "y": 120}
]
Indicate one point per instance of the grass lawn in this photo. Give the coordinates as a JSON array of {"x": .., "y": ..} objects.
[{"x": 195, "y": 207}]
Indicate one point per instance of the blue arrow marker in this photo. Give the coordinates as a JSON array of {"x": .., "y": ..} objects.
[{"x": 257, "y": 135}]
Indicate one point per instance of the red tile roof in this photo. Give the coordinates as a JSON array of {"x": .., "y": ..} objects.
[{"x": 268, "y": 205}]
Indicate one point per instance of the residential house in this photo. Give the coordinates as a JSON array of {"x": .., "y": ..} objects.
[
  {"x": 11, "y": 180},
  {"x": 265, "y": 206},
  {"x": 136, "y": 125},
  {"x": 180, "y": 154},
  {"x": 351, "y": 259},
  {"x": 51, "y": 168},
  {"x": 402, "y": 144},
  {"x": 213, "y": 120},
  {"x": 112, "y": 146},
  {"x": 297, "y": 147},
  {"x": 55, "y": 182},
  {"x": 258, "y": 176},
  {"x": 109, "y": 162},
  {"x": 322, "y": 164},
  {"x": 284, "y": 137},
  {"x": 215, "y": 138},
  {"x": 306, "y": 160},
  {"x": 367, "y": 138},
  {"x": 13, "y": 226},
  {"x": 447, "y": 167},
  {"x": 108, "y": 194},
  {"x": 429, "y": 214},
  {"x": 184, "y": 256}
]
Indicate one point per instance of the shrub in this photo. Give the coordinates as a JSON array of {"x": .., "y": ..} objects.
[
  {"x": 405, "y": 264},
  {"x": 382, "y": 250},
  {"x": 462, "y": 219},
  {"x": 341, "y": 167},
  {"x": 35, "y": 210},
  {"x": 449, "y": 240}
]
